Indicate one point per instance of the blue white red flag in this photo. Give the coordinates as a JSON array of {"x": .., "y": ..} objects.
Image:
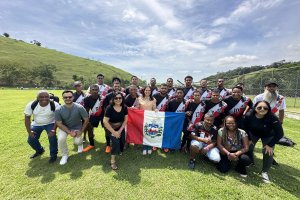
[{"x": 157, "y": 129}]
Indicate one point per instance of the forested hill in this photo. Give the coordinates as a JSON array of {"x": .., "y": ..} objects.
[
  {"x": 28, "y": 65},
  {"x": 286, "y": 74}
]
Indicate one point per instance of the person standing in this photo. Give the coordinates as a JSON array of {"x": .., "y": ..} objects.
[
  {"x": 69, "y": 121},
  {"x": 93, "y": 105},
  {"x": 42, "y": 111},
  {"x": 188, "y": 89},
  {"x": 146, "y": 102},
  {"x": 78, "y": 94},
  {"x": 130, "y": 99},
  {"x": 171, "y": 89},
  {"x": 115, "y": 120},
  {"x": 134, "y": 81},
  {"x": 103, "y": 88},
  {"x": 204, "y": 91},
  {"x": 262, "y": 124},
  {"x": 153, "y": 87},
  {"x": 224, "y": 93}
]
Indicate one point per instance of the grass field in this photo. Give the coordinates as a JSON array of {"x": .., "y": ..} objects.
[{"x": 159, "y": 176}]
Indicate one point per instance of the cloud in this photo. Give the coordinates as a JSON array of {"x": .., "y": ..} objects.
[
  {"x": 244, "y": 9},
  {"x": 236, "y": 59},
  {"x": 132, "y": 14}
]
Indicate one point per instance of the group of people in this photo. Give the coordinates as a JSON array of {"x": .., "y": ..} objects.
[{"x": 222, "y": 124}]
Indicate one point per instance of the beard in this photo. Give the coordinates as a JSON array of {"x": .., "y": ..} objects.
[{"x": 270, "y": 96}]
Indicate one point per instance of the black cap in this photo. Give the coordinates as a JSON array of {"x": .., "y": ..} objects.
[{"x": 271, "y": 83}]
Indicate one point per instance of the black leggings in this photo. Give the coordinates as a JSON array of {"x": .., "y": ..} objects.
[
  {"x": 224, "y": 164},
  {"x": 117, "y": 143},
  {"x": 267, "y": 159}
]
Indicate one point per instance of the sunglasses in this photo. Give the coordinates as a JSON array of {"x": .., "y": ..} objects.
[
  {"x": 68, "y": 97},
  {"x": 118, "y": 98},
  {"x": 262, "y": 108}
]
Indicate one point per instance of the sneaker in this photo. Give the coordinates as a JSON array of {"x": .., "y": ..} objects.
[
  {"x": 149, "y": 152},
  {"x": 265, "y": 177},
  {"x": 52, "y": 159},
  {"x": 64, "y": 160},
  {"x": 107, "y": 149},
  {"x": 80, "y": 148},
  {"x": 154, "y": 148},
  {"x": 192, "y": 164},
  {"x": 36, "y": 154},
  {"x": 144, "y": 152},
  {"x": 243, "y": 175},
  {"x": 86, "y": 149}
]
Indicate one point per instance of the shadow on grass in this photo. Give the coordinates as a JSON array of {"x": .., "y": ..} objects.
[{"x": 132, "y": 162}]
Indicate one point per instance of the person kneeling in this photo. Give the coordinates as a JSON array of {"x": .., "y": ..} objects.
[
  {"x": 204, "y": 141},
  {"x": 234, "y": 145}
]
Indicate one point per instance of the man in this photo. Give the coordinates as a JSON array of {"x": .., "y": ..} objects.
[
  {"x": 93, "y": 105},
  {"x": 68, "y": 119},
  {"x": 78, "y": 94},
  {"x": 134, "y": 81},
  {"x": 204, "y": 91},
  {"x": 188, "y": 89},
  {"x": 132, "y": 96},
  {"x": 277, "y": 101},
  {"x": 162, "y": 98},
  {"x": 177, "y": 104},
  {"x": 216, "y": 107},
  {"x": 106, "y": 102},
  {"x": 204, "y": 139},
  {"x": 171, "y": 89},
  {"x": 224, "y": 93},
  {"x": 238, "y": 105},
  {"x": 193, "y": 114},
  {"x": 42, "y": 111},
  {"x": 153, "y": 87},
  {"x": 103, "y": 88}
]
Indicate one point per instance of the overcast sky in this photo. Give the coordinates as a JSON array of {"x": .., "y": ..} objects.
[{"x": 161, "y": 38}]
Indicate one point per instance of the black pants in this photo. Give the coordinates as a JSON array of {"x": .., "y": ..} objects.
[
  {"x": 267, "y": 159},
  {"x": 243, "y": 161},
  {"x": 117, "y": 143}
]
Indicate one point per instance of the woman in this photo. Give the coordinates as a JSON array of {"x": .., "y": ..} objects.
[
  {"x": 262, "y": 124},
  {"x": 234, "y": 145},
  {"x": 115, "y": 120},
  {"x": 146, "y": 102}
]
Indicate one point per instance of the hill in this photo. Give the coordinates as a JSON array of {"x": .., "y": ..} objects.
[
  {"x": 18, "y": 57},
  {"x": 286, "y": 74}
]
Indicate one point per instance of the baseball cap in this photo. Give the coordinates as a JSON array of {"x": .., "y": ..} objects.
[
  {"x": 271, "y": 83},
  {"x": 77, "y": 83}
]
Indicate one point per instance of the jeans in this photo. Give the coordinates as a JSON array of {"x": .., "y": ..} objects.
[{"x": 35, "y": 143}]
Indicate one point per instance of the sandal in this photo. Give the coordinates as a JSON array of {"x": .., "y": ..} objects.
[{"x": 114, "y": 166}]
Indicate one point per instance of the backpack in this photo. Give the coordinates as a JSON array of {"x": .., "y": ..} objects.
[
  {"x": 35, "y": 103},
  {"x": 53, "y": 97},
  {"x": 286, "y": 142}
]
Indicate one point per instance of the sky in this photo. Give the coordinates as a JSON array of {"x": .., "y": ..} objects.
[{"x": 161, "y": 38}]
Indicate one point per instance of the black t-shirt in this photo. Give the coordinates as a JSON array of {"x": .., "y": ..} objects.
[
  {"x": 114, "y": 116},
  {"x": 263, "y": 128},
  {"x": 159, "y": 98},
  {"x": 219, "y": 119},
  {"x": 191, "y": 107},
  {"x": 129, "y": 100},
  {"x": 210, "y": 132},
  {"x": 89, "y": 102},
  {"x": 231, "y": 102},
  {"x": 173, "y": 105}
]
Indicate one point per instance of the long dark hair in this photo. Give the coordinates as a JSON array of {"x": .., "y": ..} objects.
[
  {"x": 143, "y": 92},
  {"x": 225, "y": 130},
  {"x": 113, "y": 98},
  {"x": 268, "y": 105}
]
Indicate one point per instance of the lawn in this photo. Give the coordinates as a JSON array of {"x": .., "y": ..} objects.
[{"x": 159, "y": 176}]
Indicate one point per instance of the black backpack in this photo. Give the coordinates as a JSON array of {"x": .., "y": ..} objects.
[
  {"x": 286, "y": 142},
  {"x": 35, "y": 103}
]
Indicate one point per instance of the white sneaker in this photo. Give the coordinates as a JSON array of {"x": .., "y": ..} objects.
[
  {"x": 80, "y": 148},
  {"x": 149, "y": 152},
  {"x": 144, "y": 152},
  {"x": 265, "y": 177},
  {"x": 64, "y": 160}
]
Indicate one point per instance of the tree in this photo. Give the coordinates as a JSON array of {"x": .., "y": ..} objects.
[
  {"x": 6, "y": 35},
  {"x": 35, "y": 42},
  {"x": 44, "y": 74}
]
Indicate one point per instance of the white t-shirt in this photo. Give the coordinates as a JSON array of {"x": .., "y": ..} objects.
[{"x": 42, "y": 115}]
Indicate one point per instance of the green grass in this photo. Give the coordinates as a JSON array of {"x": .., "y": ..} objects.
[
  {"x": 29, "y": 56},
  {"x": 159, "y": 176}
]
